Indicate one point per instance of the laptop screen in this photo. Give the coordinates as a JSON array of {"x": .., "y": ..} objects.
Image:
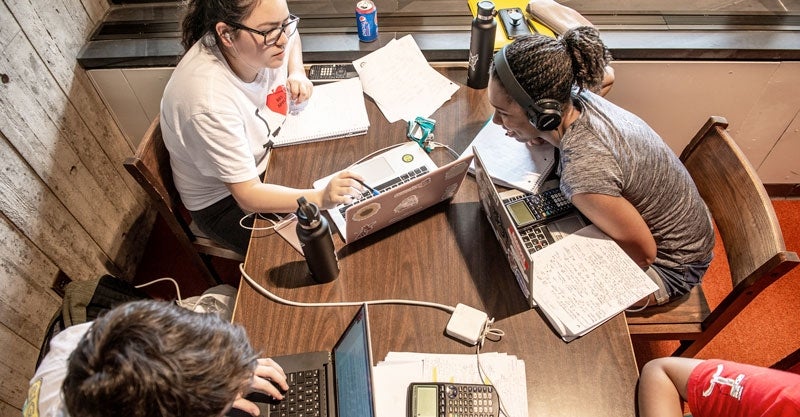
[{"x": 352, "y": 361}]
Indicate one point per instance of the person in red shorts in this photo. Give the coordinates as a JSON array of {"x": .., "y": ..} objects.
[{"x": 714, "y": 388}]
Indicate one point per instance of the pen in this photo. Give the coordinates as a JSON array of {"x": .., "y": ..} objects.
[{"x": 372, "y": 190}]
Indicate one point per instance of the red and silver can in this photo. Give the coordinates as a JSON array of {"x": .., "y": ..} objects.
[{"x": 367, "y": 21}]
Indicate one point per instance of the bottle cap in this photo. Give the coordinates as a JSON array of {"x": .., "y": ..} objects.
[
  {"x": 307, "y": 213},
  {"x": 485, "y": 9}
]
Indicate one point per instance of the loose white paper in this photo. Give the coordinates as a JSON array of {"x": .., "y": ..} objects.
[{"x": 401, "y": 82}]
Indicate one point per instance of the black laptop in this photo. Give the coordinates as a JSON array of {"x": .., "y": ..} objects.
[{"x": 326, "y": 384}]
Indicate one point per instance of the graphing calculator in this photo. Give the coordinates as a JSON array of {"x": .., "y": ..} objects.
[
  {"x": 432, "y": 399},
  {"x": 526, "y": 209},
  {"x": 320, "y": 73}
]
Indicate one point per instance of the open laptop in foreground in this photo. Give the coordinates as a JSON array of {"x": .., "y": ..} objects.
[
  {"x": 326, "y": 384},
  {"x": 408, "y": 182},
  {"x": 525, "y": 223}
]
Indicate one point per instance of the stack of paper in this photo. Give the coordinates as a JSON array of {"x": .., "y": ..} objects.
[
  {"x": 402, "y": 83},
  {"x": 511, "y": 163},
  {"x": 399, "y": 369}
]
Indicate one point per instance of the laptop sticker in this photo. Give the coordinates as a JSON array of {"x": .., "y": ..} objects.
[
  {"x": 407, "y": 203},
  {"x": 365, "y": 230},
  {"x": 456, "y": 170},
  {"x": 426, "y": 182},
  {"x": 367, "y": 211},
  {"x": 450, "y": 191}
]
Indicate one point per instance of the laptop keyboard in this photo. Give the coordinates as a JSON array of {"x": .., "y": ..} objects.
[
  {"x": 306, "y": 397},
  {"x": 536, "y": 237},
  {"x": 393, "y": 183}
]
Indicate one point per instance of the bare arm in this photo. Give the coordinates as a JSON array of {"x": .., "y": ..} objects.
[
  {"x": 617, "y": 218},
  {"x": 300, "y": 87},
  {"x": 255, "y": 196},
  {"x": 662, "y": 386}
]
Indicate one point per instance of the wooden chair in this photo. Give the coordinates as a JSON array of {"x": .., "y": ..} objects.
[
  {"x": 790, "y": 362},
  {"x": 151, "y": 169},
  {"x": 750, "y": 233}
]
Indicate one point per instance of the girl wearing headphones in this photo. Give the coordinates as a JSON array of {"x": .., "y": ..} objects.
[
  {"x": 226, "y": 101},
  {"x": 613, "y": 167}
]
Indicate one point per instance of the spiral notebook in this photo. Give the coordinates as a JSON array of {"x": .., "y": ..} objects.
[{"x": 335, "y": 110}]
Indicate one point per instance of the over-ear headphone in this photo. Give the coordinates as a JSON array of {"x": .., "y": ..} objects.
[{"x": 544, "y": 114}]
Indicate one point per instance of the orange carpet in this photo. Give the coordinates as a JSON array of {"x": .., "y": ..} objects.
[{"x": 767, "y": 330}]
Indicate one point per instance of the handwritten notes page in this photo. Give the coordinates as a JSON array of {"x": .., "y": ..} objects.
[
  {"x": 393, "y": 375},
  {"x": 583, "y": 280},
  {"x": 510, "y": 163},
  {"x": 402, "y": 83}
]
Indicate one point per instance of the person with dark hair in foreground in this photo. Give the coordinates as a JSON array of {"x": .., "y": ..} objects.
[
  {"x": 147, "y": 359},
  {"x": 716, "y": 388}
]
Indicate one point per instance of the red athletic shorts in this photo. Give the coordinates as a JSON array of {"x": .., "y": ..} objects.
[{"x": 721, "y": 388}]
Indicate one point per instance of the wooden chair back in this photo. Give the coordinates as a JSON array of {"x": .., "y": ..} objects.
[
  {"x": 151, "y": 168},
  {"x": 751, "y": 235}
]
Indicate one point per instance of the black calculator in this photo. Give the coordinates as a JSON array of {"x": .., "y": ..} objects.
[
  {"x": 319, "y": 73},
  {"x": 526, "y": 209},
  {"x": 452, "y": 399}
]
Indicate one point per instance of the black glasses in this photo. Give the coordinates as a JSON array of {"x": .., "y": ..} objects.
[{"x": 271, "y": 36}]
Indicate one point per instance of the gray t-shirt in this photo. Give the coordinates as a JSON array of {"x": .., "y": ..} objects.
[{"x": 611, "y": 151}]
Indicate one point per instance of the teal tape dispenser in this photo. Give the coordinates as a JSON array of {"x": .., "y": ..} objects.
[{"x": 420, "y": 130}]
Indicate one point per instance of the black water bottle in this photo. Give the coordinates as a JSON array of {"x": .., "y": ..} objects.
[
  {"x": 315, "y": 239},
  {"x": 481, "y": 45}
]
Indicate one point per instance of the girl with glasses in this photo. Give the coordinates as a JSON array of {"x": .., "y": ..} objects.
[{"x": 224, "y": 105}]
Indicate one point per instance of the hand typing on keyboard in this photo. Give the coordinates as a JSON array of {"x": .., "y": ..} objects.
[
  {"x": 343, "y": 188},
  {"x": 270, "y": 379}
]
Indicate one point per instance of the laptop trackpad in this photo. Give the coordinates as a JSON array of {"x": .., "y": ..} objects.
[
  {"x": 561, "y": 228},
  {"x": 374, "y": 169}
]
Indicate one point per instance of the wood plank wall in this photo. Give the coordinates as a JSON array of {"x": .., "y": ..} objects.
[{"x": 67, "y": 202}]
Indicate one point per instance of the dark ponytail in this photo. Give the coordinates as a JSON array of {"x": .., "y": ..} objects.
[
  {"x": 202, "y": 17},
  {"x": 589, "y": 55},
  {"x": 548, "y": 68}
]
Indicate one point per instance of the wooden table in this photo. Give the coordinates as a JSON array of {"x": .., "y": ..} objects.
[{"x": 447, "y": 254}]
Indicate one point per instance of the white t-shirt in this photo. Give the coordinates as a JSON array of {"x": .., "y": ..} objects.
[
  {"x": 210, "y": 125},
  {"x": 44, "y": 392}
]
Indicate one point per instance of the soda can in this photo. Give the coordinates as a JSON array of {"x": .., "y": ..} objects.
[{"x": 367, "y": 21}]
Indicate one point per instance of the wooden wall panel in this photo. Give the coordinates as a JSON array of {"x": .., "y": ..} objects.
[
  {"x": 68, "y": 204},
  {"x": 16, "y": 373},
  {"x": 26, "y": 301},
  {"x": 86, "y": 125},
  {"x": 8, "y": 411},
  {"x": 39, "y": 215}
]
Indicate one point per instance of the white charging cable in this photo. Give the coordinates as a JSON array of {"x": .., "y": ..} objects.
[
  {"x": 485, "y": 334},
  {"x": 265, "y": 292}
]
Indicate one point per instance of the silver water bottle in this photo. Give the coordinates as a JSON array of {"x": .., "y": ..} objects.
[
  {"x": 315, "y": 239},
  {"x": 481, "y": 45}
]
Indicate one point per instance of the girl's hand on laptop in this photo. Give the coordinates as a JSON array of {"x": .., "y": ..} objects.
[
  {"x": 268, "y": 378},
  {"x": 343, "y": 188}
]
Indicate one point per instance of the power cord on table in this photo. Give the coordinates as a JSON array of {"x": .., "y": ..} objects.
[
  {"x": 263, "y": 291},
  {"x": 486, "y": 330}
]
